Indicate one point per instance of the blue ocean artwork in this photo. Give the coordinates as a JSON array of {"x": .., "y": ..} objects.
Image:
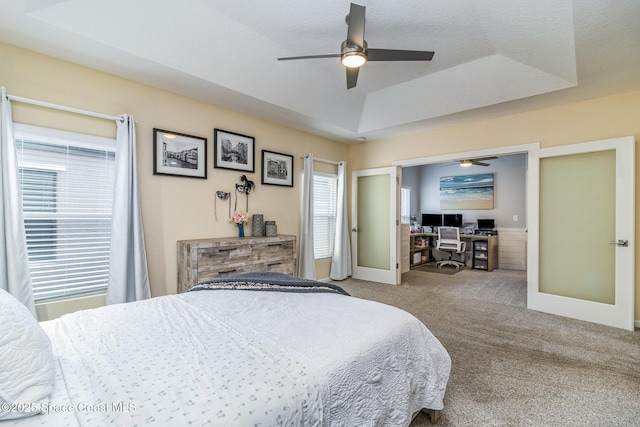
[{"x": 467, "y": 191}]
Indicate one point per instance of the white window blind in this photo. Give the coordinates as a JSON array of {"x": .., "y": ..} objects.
[
  {"x": 67, "y": 183},
  {"x": 405, "y": 205},
  {"x": 325, "y": 188}
]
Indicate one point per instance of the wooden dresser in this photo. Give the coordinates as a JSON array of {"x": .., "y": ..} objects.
[{"x": 207, "y": 259}]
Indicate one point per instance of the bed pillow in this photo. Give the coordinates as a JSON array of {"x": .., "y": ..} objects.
[{"x": 26, "y": 361}]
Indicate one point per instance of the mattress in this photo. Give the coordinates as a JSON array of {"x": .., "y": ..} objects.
[{"x": 243, "y": 357}]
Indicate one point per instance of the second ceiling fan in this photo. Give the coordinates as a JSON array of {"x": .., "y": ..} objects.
[
  {"x": 471, "y": 162},
  {"x": 354, "y": 52}
]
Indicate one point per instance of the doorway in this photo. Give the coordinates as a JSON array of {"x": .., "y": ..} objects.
[
  {"x": 503, "y": 204},
  {"x": 624, "y": 150}
]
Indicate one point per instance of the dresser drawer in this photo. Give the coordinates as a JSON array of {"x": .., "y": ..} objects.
[
  {"x": 213, "y": 258},
  {"x": 284, "y": 266},
  {"x": 272, "y": 251},
  {"x": 222, "y": 271}
]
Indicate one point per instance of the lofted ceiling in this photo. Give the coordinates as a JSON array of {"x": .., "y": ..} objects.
[{"x": 491, "y": 57}]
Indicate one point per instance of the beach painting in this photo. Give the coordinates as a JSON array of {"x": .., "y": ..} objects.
[{"x": 467, "y": 191}]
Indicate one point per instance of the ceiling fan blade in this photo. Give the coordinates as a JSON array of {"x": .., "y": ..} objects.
[
  {"x": 355, "y": 33},
  {"x": 352, "y": 77},
  {"x": 398, "y": 55},
  {"x": 485, "y": 158},
  {"x": 329, "y": 55},
  {"x": 468, "y": 162}
]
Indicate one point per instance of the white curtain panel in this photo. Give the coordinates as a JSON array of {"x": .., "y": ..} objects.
[
  {"x": 341, "y": 260},
  {"x": 307, "y": 262},
  {"x": 128, "y": 273},
  {"x": 14, "y": 259}
]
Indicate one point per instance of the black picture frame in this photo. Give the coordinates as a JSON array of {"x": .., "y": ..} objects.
[
  {"x": 277, "y": 168},
  {"x": 179, "y": 154},
  {"x": 233, "y": 151}
]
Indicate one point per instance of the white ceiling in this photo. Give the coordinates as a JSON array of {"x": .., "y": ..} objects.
[{"x": 491, "y": 57}]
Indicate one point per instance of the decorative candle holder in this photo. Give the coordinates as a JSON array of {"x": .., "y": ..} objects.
[
  {"x": 257, "y": 225},
  {"x": 272, "y": 228}
]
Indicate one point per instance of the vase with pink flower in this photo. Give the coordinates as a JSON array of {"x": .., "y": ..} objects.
[{"x": 240, "y": 218}]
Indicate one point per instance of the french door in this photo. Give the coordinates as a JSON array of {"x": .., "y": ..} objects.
[
  {"x": 581, "y": 214},
  {"x": 375, "y": 222}
]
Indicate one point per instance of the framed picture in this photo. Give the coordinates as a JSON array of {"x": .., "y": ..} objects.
[
  {"x": 467, "y": 191},
  {"x": 277, "y": 168},
  {"x": 179, "y": 154},
  {"x": 233, "y": 151}
]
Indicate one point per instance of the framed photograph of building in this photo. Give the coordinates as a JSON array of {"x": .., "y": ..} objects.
[
  {"x": 233, "y": 151},
  {"x": 277, "y": 168},
  {"x": 179, "y": 154}
]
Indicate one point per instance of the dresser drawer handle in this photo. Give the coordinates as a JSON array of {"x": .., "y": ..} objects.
[
  {"x": 273, "y": 263},
  {"x": 227, "y": 271},
  {"x": 275, "y": 244},
  {"x": 226, "y": 249}
]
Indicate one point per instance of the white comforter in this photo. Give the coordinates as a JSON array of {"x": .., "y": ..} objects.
[{"x": 244, "y": 358}]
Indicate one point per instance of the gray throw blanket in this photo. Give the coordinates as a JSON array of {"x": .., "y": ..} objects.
[{"x": 267, "y": 281}]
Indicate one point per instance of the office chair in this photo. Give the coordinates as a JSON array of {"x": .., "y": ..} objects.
[{"x": 449, "y": 241}]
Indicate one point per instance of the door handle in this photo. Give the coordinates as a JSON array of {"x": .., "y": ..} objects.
[
  {"x": 621, "y": 243},
  {"x": 355, "y": 230}
]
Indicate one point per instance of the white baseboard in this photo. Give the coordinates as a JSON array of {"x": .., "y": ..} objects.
[{"x": 637, "y": 323}]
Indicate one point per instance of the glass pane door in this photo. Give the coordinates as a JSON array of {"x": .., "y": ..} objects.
[
  {"x": 577, "y": 220},
  {"x": 581, "y": 212},
  {"x": 375, "y": 213},
  {"x": 373, "y": 221}
]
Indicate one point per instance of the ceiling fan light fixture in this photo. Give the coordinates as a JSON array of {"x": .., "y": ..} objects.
[
  {"x": 353, "y": 59},
  {"x": 354, "y": 52},
  {"x": 466, "y": 163}
]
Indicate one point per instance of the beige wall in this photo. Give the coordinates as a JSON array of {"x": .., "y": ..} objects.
[
  {"x": 596, "y": 119},
  {"x": 173, "y": 208},
  {"x": 182, "y": 208}
]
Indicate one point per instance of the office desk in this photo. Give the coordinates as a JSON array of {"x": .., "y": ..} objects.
[{"x": 484, "y": 249}]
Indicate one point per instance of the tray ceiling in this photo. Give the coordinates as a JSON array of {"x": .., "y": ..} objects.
[{"x": 491, "y": 57}]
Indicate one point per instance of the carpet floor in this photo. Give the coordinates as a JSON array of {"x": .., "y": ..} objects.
[{"x": 512, "y": 366}]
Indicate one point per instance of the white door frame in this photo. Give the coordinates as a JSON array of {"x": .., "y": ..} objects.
[
  {"x": 500, "y": 151},
  {"x": 393, "y": 275},
  {"x": 621, "y": 313}
]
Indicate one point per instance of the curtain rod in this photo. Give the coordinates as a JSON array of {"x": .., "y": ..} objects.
[
  {"x": 63, "y": 108},
  {"x": 318, "y": 159}
]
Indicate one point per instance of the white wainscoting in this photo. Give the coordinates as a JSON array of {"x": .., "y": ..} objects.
[{"x": 512, "y": 248}]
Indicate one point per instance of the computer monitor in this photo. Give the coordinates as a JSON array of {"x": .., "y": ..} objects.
[
  {"x": 452, "y": 220},
  {"x": 431, "y": 220},
  {"x": 486, "y": 224}
]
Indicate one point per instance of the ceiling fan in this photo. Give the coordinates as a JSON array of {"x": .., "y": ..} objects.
[
  {"x": 354, "y": 52},
  {"x": 471, "y": 162}
]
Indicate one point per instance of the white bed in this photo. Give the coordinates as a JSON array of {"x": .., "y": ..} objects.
[{"x": 242, "y": 358}]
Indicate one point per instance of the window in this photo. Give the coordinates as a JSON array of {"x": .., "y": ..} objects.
[
  {"x": 325, "y": 188},
  {"x": 66, "y": 181},
  {"x": 405, "y": 205},
  {"x": 39, "y": 191}
]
